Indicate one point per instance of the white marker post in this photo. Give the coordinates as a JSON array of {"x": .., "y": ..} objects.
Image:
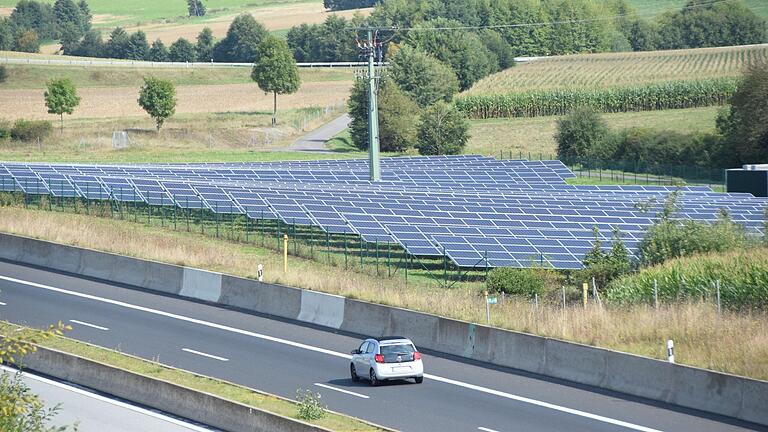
[
  {"x": 671, "y": 351},
  {"x": 261, "y": 273}
]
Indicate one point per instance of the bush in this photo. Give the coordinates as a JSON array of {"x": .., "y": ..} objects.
[
  {"x": 668, "y": 238},
  {"x": 397, "y": 117},
  {"x": 3, "y": 74},
  {"x": 582, "y": 130},
  {"x": 31, "y": 130},
  {"x": 309, "y": 407},
  {"x": 5, "y": 129},
  {"x": 520, "y": 282},
  {"x": 443, "y": 130},
  {"x": 604, "y": 267}
]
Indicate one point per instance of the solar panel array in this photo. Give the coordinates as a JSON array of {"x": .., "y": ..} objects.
[{"x": 477, "y": 211}]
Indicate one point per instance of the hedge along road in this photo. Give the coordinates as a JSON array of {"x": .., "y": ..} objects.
[{"x": 280, "y": 357}]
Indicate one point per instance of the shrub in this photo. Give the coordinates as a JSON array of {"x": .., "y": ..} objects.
[
  {"x": 31, "y": 130},
  {"x": 580, "y": 131},
  {"x": 520, "y": 282},
  {"x": 5, "y": 129},
  {"x": 309, "y": 407},
  {"x": 443, "y": 130},
  {"x": 3, "y": 74},
  {"x": 397, "y": 117},
  {"x": 604, "y": 267}
]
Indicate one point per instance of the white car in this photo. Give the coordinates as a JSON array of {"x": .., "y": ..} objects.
[{"x": 386, "y": 358}]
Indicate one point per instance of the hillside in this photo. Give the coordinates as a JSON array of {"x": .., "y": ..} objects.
[
  {"x": 621, "y": 69},
  {"x": 657, "y": 7}
]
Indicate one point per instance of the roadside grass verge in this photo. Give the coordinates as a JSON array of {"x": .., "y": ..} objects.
[
  {"x": 216, "y": 387},
  {"x": 732, "y": 342}
]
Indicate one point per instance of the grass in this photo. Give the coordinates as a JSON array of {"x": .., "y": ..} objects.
[
  {"x": 734, "y": 343},
  {"x": 593, "y": 71},
  {"x": 223, "y": 389},
  {"x": 342, "y": 143},
  {"x": 531, "y": 137},
  {"x": 224, "y": 137},
  {"x": 650, "y": 8}
]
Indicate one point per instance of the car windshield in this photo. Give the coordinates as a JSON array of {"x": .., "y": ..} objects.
[{"x": 397, "y": 349}]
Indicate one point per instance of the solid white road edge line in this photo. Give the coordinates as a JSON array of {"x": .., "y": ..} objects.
[
  {"x": 110, "y": 401},
  {"x": 88, "y": 325},
  {"x": 342, "y": 391},
  {"x": 204, "y": 354},
  {"x": 330, "y": 352},
  {"x": 3, "y": 304},
  {"x": 485, "y": 429}
]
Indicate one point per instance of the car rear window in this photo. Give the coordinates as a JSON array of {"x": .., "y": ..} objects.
[{"x": 397, "y": 349}]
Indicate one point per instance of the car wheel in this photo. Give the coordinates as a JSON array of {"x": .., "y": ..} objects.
[
  {"x": 374, "y": 379},
  {"x": 419, "y": 380},
  {"x": 353, "y": 373}
]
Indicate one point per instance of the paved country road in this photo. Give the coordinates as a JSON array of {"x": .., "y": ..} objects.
[
  {"x": 315, "y": 140},
  {"x": 281, "y": 356},
  {"x": 92, "y": 412}
]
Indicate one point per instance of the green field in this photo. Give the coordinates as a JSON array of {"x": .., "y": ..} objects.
[
  {"x": 110, "y": 13},
  {"x": 650, "y": 8},
  {"x": 534, "y": 136},
  {"x": 596, "y": 71}
]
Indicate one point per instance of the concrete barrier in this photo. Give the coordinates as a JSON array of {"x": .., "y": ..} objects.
[
  {"x": 322, "y": 309},
  {"x": 162, "y": 395},
  {"x": 705, "y": 390},
  {"x": 201, "y": 284}
]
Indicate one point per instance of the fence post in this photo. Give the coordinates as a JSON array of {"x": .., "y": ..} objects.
[
  {"x": 655, "y": 294},
  {"x": 717, "y": 285},
  {"x": 563, "y": 288}
]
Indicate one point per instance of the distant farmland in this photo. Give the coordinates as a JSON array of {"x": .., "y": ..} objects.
[
  {"x": 622, "y": 69},
  {"x": 614, "y": 82}
]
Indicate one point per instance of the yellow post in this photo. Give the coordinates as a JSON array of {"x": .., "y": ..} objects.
[
  {"x": 285, "y": 253},
  {"x": 585, "y": 288}
]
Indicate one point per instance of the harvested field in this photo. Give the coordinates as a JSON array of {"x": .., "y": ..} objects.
[
  {"x": 273, "y": 17},
  {"x": 105, "y": 102}
]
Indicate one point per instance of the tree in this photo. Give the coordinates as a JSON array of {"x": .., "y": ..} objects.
[
  {"x": 37, "y": 16},
  {"x": 158, "y": 52},
  {"x": 61, "y": 98},
  {"x": 158, "y": 98},
  {"x": 397, "y": 117},
  {"x": 68, "y": 13},
  {"x": 182, "y": 51},
  {"x": 578, "y": 132},
  {"x": 196, "y": 8},
  {"x": 137, "y": 46},
  {"x": 605, "y": 267},
  {"x": 444, "y": 130},
  {"x": 242, "y": 39},
  {"x": 704, "y": 24},
  {"x": 28, "y": 42},
  {"x": 422, "y": 77},
  {"x": 85, "y": 11},
  {"x": 91, "y": 45},
  {"x": 117, "y": 45},
  {"x": 275, "y": 70},
  {"x": 745, "y": 126},
  {"x": 20, "y": 409},
  {"x": 6, "y": 35},
  {"x": 205, "y": 45},
  {"x": 70, "y": 35}
]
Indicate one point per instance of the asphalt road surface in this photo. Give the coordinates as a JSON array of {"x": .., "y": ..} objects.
[
  {"x": 280, "y": 356},
  {"x": 92, "y": 412},
  {"x": 315, "y": 140}
]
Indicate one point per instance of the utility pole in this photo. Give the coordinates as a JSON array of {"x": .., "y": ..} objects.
[{"x": 373, "y": 109}]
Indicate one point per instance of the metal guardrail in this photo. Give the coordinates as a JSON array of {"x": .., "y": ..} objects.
[{"x": 148, "y": 64}]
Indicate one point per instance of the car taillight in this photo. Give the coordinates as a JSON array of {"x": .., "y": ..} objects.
[
  {"x": 417, "y": 356},
  {"x": 379, "y": 358}
]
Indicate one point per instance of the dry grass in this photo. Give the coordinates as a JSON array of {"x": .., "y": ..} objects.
[
  {"x": 110, "y": 102},
  {"x": 622, "y": 69},
  {"x": 732, "y": 343},
  {"x": 536, "y": 135},
  {"x": 274, "y": 18}
]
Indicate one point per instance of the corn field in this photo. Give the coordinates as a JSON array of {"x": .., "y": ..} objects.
[
  {"x": 603, "y": 70},
  {"x": 661, "y": 96}
]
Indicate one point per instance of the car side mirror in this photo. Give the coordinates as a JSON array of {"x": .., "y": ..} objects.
[{"x": 357, "y": 351}]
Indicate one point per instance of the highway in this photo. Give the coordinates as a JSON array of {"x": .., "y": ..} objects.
[
  {"x": 280, "y": 356},
  {"x": 92, "y": 412}
]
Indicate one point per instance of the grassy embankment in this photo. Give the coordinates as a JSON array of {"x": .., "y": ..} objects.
[
  {"x": 733, "y": 342},
  {"x": 221, "y": 114},
  {"x": 216, "y": 387}
]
